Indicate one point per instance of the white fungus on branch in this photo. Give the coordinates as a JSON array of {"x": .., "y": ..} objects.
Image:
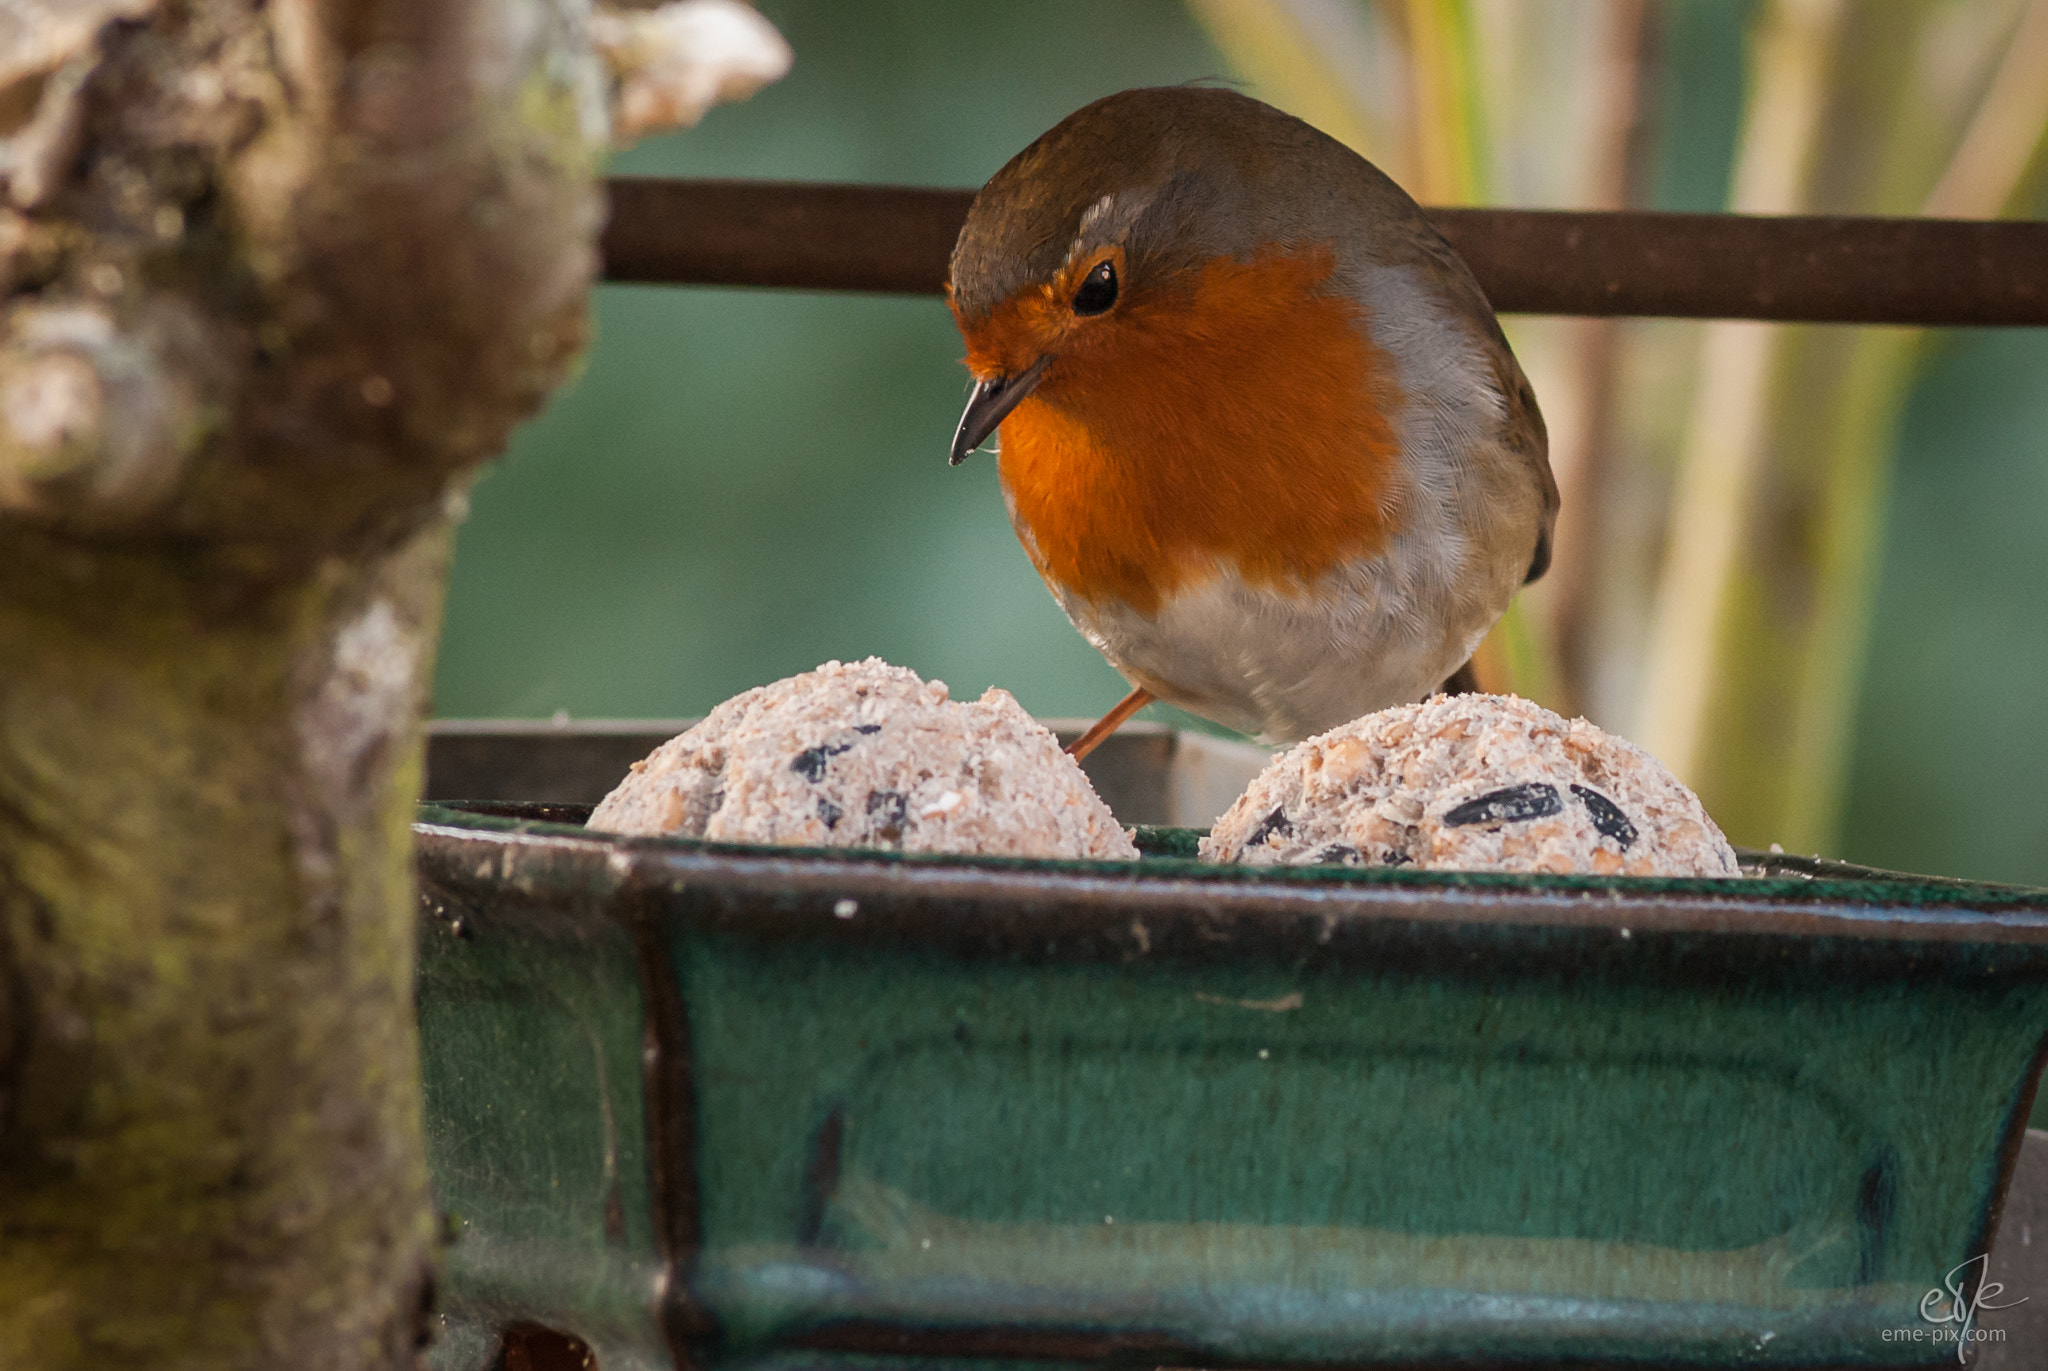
[
  {"x": 671, "y": 64},
  {"x": 88, "y": 418},
  {"x": 47, "y": 49}
]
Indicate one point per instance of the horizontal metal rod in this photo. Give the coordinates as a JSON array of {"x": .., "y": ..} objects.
[{"x": 1806, "y": 269}]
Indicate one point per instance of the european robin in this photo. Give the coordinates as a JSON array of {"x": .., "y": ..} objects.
[{"x": 1260, "y": 431}]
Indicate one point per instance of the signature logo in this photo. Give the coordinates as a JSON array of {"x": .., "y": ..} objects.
[{"x": 1952, "y": 1308}]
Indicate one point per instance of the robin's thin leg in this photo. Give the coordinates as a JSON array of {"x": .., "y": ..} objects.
[
  {"x": 1463, "y": 681},
  {"x": 1109, "y": 723}
]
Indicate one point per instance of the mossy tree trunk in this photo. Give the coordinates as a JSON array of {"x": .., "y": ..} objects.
[{"x": 279, "y": 275}]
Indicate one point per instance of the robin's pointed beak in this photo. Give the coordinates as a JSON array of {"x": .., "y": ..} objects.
[{"x": 992, "y": 400}]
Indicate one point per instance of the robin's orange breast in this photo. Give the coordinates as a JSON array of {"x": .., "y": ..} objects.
[{"x": 1235, "y": 415}]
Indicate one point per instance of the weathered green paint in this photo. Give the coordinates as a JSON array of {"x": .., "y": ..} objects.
[
  {"x": 541, "y": 1164},
  {"x": 1121, "y": 1147},
  {"x": 1171, "y": 1113}
]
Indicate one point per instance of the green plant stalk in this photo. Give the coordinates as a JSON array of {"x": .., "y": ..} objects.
[
  {"x": 1793, "y": 68},
  {"x": 1266, "y": 43},
  {"x": 1861, "y": 450},
  {"x": 1788, "y": 715},
  {"x": 1988, "y": 168},
  {"x": 1454, "y": 168},
  {"x": 1526, "y": 664}
]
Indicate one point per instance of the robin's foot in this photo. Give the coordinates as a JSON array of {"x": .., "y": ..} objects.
[
  {"x": 1463, "y": 681},
  {"x": 1109, "y": 723}
]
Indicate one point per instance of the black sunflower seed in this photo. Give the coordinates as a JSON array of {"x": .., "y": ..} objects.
[
  {"x": 894, "y": 808},
  {"x": 1276, "y": 822},
  {"x": 810, "y": 763},
  {"x": 1510, "y": 805},
  {"x": 1606, "y": 815}
]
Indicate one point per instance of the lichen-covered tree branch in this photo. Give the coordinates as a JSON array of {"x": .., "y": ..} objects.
[{"x": 277, "y": 278}]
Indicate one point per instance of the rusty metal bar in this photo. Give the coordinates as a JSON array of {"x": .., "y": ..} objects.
[
  {"x": 768, "y": 233},
  {"x": 1807, "y": 269}
]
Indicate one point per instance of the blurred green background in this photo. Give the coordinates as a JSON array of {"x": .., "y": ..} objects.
[{"x": 742, "y": 484}]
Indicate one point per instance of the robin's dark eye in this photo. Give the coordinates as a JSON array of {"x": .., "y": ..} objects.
[{"x": 1098, "y": 290}]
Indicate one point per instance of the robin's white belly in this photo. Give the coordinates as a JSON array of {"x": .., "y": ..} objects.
[{"x": 1282, "y": 667}]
